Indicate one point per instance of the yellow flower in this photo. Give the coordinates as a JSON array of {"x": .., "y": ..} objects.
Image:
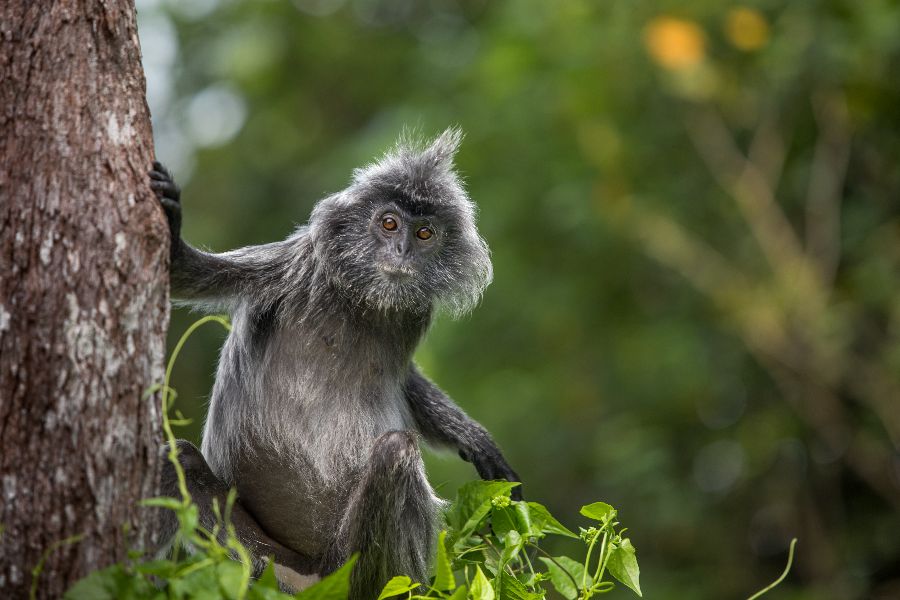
[
  {"x": 746, "y": 28},
  {"x": 675, "y": 43}
]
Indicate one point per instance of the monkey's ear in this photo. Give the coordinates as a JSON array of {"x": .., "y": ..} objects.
[{"x": 441, "y": 151}]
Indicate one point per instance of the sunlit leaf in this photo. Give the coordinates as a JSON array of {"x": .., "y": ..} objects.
[
  {"x": 460, "y": 593},
  {"x": 443, "y": 571},
  {"x": 504, "y": 520},
  {"x": 481, "y": 587},
  {"x": 266, "y": 587},
  {"x": 473, "y": 502},
  {"x": 111, "y": 583},
  {"x": 333, "y": 587},
  {"x": 541, "y": 520},
  {"x": 565, "y": 575},
  {"x": 230, "y": 575},
  {"x": 598, "y": 511},
  {"x": 513, "y": 589},
  {"x": 396, "y": 586},
  {"x": 623, "y": 566}
]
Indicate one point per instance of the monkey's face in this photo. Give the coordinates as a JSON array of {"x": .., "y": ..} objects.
[
  {"x": 393, "y": 253},
  {"x": 405, "y": 243},
  {"x": 403, "y": 236}
]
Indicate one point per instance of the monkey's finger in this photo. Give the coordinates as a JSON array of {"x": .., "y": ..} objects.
[
  {"x": 158, "y": 166},
  {"x": 172, "y": 210},
  {"x": 167, "y": 189},
  {"x": 159, "y": 176},
  {"x": 170, "y": 205},
  {"x": 163, "y": 184}
]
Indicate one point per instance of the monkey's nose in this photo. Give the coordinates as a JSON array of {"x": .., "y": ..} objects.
[{"x": 402, "y": 247}]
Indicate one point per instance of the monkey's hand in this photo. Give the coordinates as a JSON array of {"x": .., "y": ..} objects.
[
  {"x": 490, "y": 464},
  {"x": 169, "y": 196}
]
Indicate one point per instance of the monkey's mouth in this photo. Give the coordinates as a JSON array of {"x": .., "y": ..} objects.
[{"x": 396, "y": 270}]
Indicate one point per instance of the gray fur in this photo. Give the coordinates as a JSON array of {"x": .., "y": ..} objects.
[{"x": 315, "y": 396}]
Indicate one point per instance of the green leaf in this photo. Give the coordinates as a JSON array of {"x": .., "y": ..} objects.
[
  {"x": 574, "y": 567},
  {"x": 111, "y": 583},
  {"x": 525, "y": 524},
  {"x": 189, "y": 518},
  {"x": 473, "y": 503},
  {"x": 463, "y": 554},
  {"x": 504, "y": 520},
  {"x": 230, "y": 575},
  {"x": 476, "y": 520},
  {"x": 491, "y": 565},
  {"x": 443, "y": 571},
  {"x": 160, "y": 568},
  {"x": 199, "y": 584},
  {"x": 262, "y": 593},
  {"x": 266, "y": 587},
  {"x": 460, "y": 593},
  {"x": 598, "y": 511},
  {"x": 396, "y": 586},
  {"x": 542, "y": 521},
  {"x": 512, "y": 545},
  {"x": 563, "y": 573},
  {"x": 481, "y": 587},
  {"x": 513, "y": 589},
  {"x": 623, "y": 566},
  {"x": 267, "y": 579},
  {"x": 333, "y": 587}
]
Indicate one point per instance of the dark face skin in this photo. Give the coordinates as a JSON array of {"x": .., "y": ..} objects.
[{"x": 405, "y": 242}]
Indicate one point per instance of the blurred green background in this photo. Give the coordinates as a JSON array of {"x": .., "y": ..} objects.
[{"x": 693, "y": 214}]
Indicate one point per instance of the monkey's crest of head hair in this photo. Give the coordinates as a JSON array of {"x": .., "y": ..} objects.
[
  {"x": 424, "y": 176},
  {"x": 424, "y": 172}
]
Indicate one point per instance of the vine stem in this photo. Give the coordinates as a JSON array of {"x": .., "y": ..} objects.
[
  {"x": 601, "y": 562},
  {"x": 36, "y": 572},
  {"x": 530, "y": 566},
  {"x": 587, "y": 562},
  {"x": 787, "y": 570},
  {"x": 553, "y": 560},
  {"x": 167, "y": 395}
]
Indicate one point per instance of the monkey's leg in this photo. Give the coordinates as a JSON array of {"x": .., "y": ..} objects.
[
  {"x": 391, "y": 519},
  {"x": 204, "y": 487}
]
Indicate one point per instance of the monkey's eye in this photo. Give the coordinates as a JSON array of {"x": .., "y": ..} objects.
[
  {"x": 424, "y": 233},
  {"x": 389, "y": 223}
]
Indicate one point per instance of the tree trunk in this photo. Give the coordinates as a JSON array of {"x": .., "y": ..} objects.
[{"x": 83, "y": 291}]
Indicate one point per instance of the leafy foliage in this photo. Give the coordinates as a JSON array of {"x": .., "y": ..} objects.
[{"x": 488, "y": 551}]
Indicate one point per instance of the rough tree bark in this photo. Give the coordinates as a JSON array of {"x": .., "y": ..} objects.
[{"x": 83, "y": 292}]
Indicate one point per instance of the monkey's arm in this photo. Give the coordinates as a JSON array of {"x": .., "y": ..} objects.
[
  {"x": 200, "y": 277},
  {"x": 440, "y": 421}
]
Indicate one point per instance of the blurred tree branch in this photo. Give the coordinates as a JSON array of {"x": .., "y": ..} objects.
[
  {"x": 789, "y": 320},
  {"x": 826, "y": 182}
]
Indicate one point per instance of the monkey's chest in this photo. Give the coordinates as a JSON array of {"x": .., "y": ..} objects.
[
  {"x": 316, "y": 410},
  {"x": 332, "y": 400}
]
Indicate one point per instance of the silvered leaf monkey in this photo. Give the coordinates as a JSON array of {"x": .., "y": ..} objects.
[{"x": 317, "y": 408}]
